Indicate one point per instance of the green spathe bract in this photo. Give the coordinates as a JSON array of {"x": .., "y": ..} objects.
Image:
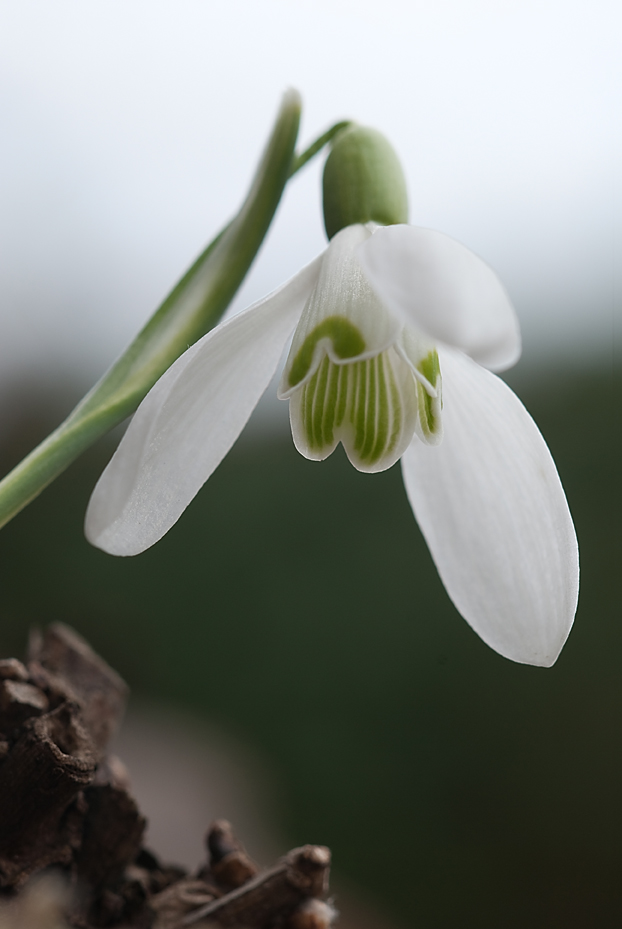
[{"x": 363, "y": 181}]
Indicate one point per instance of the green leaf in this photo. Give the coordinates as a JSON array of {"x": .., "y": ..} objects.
[{"x": 192, "y": 308}]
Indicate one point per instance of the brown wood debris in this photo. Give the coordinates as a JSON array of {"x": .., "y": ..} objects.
[{"x": 66, "y": 810}]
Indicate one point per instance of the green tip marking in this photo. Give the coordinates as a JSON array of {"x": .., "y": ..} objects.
[
  {"x": 347, "y": 343},
  {"x": 431, "y": 369}
]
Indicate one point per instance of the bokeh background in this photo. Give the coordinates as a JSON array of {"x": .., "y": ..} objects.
[{"x": 295, "y": 607}]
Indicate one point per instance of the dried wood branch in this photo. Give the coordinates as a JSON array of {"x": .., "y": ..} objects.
[
  {"x": 82, "y": 676},
  {"x": 41, "y": 777},
  {"x": 303, "y": 873},
  {"x": 229, "y": 864},
  {"x": 63, "y": 802}
]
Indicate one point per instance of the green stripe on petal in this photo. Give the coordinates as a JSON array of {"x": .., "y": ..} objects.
[
  {"x": 319, "y": 403},
  {"x": 330, "y": 405},
  {"x": 308, "y": 393},
  {"x": 360, "y": 403},
  {"x": 370, "y": 411},
  {"x": 342, "y": 398},
  {"x": 382, "y": 412},
  {"x": 394, "y": 400}
]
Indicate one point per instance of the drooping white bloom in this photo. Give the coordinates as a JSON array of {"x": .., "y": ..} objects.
[{"x": 394, "y": 330}]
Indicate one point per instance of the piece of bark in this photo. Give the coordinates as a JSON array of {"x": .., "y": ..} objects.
[
  {"x": 127, "y": 906},
  {"x": 63, "y": 802},
  {"x": 275, "y": 893},
  {"x": 155, "y": 876},
  {"x": 19, "y": 702},
  {"x": 112, "y": 771},
  {"x": 182, "y": 897},
  {"x": 113, "y": 831},
  {"x": 40, "y": 783},
  {"x": 13, "y": 670},
  {"x": 100, "y": 691},
  {"x": 230, "y": 866}
]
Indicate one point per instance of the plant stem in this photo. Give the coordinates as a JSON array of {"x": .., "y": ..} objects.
[{"x": 193, "y": 307}]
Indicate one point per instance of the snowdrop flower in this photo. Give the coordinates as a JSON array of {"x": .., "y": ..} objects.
[{"x": 396, "y": 330}]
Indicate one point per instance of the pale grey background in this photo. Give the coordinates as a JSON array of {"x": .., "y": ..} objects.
[{"x": 131, "y": 128}]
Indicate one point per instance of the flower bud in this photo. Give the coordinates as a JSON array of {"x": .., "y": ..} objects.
[{"x": 363, "y": 181}]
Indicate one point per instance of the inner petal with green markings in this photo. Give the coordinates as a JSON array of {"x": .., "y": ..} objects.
[
  {"x": 354, "y": 373},
  {"x": 373, "y": 407}
]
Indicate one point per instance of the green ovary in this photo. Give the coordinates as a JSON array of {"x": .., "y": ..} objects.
[{"x": 346, "y": 339}]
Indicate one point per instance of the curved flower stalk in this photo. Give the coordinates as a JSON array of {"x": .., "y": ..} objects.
[{"x": 394, "y": 332}]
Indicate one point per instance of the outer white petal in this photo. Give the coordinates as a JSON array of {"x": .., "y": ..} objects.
[
  {"x": 439, "y": 286},
  {"x": 189, "y": 420},
  {"x": 493, "y": 512}
]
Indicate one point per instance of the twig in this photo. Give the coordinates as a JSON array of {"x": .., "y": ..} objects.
[{"x": 302, "y": 873}]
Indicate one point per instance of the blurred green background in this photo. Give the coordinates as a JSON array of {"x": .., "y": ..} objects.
[{"x": 295, "y": 604}]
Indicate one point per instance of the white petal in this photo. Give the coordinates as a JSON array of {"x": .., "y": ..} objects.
[
  {"x": 437, "y": 285},
  {"x": 493, "y": 512},
  {"x": 189, "y": 420},
  {"x": 342, "y": 318}
]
